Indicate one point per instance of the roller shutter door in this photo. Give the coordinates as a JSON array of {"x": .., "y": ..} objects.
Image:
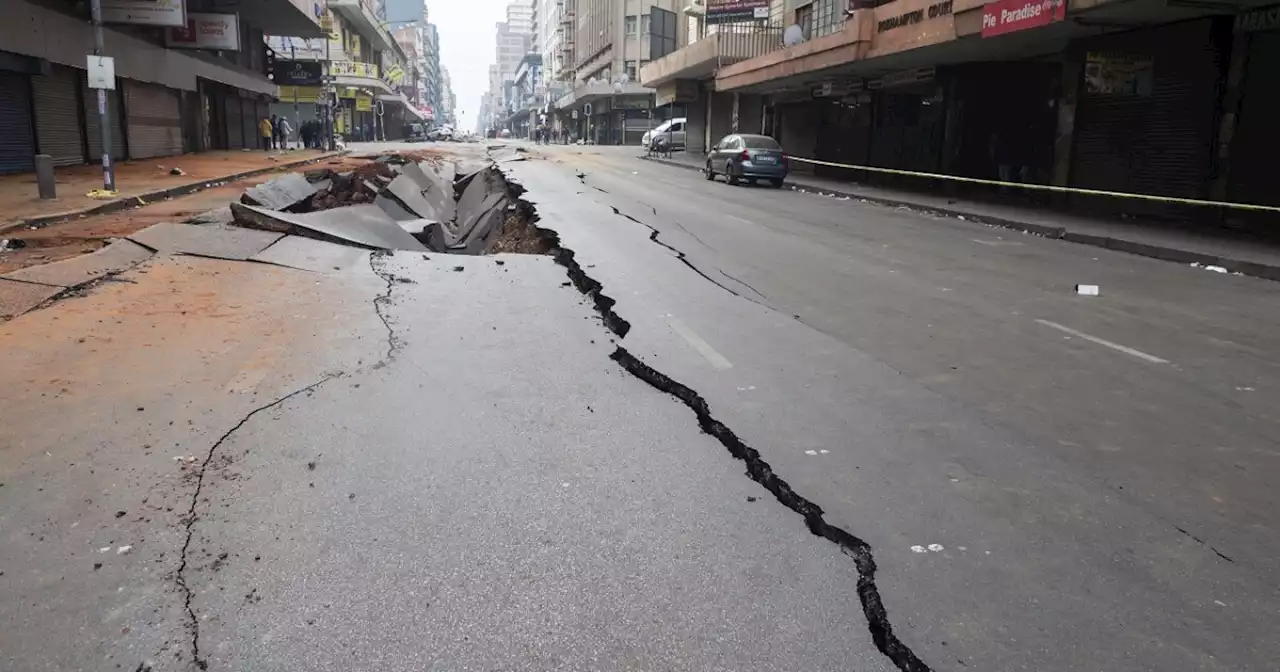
[
  {"x": 1253, "y": 150},
  {"x": 155, "y": 120},
  {"x": 92, "y": 124},
  {"x": 235, "y": 129},
  {"x": 57, "y": 102},
  {"x": 17, "y": 143},
  {"x": 249, "y": 119},
  {"x": 1158, "y": 140}
]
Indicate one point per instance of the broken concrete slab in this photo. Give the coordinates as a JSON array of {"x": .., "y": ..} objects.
[
  {"x": 470, "y": 217},
  {"x": 394, "y": 209},
  {"x": 435, "y": 189},
  {"x": 308, "y": 254},
  {"x": 479, "y": 188},
  {"x": 221, "y": 242},
  {"x": 280, "y": 193},
  {"x": 447, "y": 170},
  {"x": 364, "y": 225},
  {"x": 114, "y": 258},
  {"x": 477, "y": 239},
  {"x": 416, "y": 227},
  {"x": 406, "y": 191},
  {"x": 215, "y": 216},
  {"x": 17, "y": 297}
]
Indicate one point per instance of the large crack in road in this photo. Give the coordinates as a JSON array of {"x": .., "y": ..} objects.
[{"x": 758, "y": 469}]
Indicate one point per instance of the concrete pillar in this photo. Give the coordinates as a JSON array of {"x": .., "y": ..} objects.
[
  {"x": 737, "y": 103},
  {"x": 45, "y": 182}
]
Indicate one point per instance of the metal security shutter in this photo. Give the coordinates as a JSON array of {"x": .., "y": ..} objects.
[
  {"x": 235, "y": 129},
  {"x": 1160, "y": 143},
  {"x": 1253, "y": 149},
  {"x": 17, "y": 143},
  {"x": 249, "y": 122},
  {"x": 57, "y": 105},
  {"x": 92, "y": 124},
  {"x": 155, "y": 120}
]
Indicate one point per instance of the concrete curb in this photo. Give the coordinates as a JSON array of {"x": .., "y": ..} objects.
[
  {"x": 170, "y": 192},
  {"x": 1252, "y": 268}
]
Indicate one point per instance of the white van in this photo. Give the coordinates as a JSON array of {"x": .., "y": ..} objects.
[{"x": 672, "y": 130}]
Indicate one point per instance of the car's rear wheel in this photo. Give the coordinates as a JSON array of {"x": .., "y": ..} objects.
[
  {"x": 711, "y": 174},
  {"x": 777, "y": 183},
  {"x": 728, "y": 174}
]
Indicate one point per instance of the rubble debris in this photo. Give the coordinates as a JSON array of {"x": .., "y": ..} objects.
[
  {"x": 221, "y": 242},
  {"x": 282, "y": 193},
  {"x": 12, "y": 244},
  {"x": 119, "y": 256},
  {"x": 364, "y": 225}
]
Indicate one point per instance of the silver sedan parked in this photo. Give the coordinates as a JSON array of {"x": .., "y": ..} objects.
[{"x": 748, "y": 157}]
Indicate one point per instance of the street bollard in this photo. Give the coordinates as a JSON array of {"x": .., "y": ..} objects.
[{"x": 44, "y": 176}]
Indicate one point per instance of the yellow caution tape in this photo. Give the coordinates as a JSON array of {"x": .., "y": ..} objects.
[
  {"x": 102, "y": 193},
  {"x": 1047, "y": 187}
]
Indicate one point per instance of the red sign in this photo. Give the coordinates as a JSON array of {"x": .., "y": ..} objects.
[{"x": 1008, "y": 16}]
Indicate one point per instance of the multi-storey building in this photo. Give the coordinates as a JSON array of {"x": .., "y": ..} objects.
[
  {"x": 175, "y": 90},
  {"x": 610, "y": 43},
  {"x": 448, "y": 102},
  {"x": 366, "y": 67}
]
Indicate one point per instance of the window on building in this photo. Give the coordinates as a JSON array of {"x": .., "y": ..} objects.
[
  {"x": 804, "y": 19},
  {"x": 631, "y": 71},
  {"x": 631, "y": 25},
  {"x": 644, "y": 24},
  {"x": 828, "y": 16}
]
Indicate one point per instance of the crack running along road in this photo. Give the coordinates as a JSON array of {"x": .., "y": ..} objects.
[{"x": 758, "y": 469}]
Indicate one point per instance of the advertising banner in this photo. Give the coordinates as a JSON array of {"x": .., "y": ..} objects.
[
  {"x": 206, "y": 31},
  {"x": 172, "y": 13},
  {"x": 1010, "y": 16},
  {"x": 730, "y": 11}
]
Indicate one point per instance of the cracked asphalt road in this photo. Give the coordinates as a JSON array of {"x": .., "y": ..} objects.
[{"x": 754, "y": 430}]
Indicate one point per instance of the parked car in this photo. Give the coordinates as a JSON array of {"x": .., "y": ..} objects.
[
  {"x": 748, "y": 157},
  {"x": 672, "y": 130}
]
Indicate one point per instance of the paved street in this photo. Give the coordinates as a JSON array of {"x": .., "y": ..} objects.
[{"x": 438, "y": 462}]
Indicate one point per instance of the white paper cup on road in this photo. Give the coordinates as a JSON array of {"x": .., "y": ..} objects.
[{"x": 1087, "y": 290}]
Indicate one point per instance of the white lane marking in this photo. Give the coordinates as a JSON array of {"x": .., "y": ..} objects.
[
  {"x": 717, "y": 360},
  {"x": 1114, "y": 346},
  {"x": 995, "y": 243}
]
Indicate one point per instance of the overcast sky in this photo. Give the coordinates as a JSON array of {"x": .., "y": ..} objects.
[{"x": 467, "y": 48}]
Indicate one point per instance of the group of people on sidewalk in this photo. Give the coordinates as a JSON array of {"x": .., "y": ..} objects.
[{"x": 277, "y": 133}]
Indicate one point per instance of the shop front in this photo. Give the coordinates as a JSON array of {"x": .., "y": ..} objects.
[
  {"x": 1147, "y": 107},
  {"x": 1256, "y": 136}
]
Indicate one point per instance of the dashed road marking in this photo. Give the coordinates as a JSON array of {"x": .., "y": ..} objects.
[
  {"x": 1114, "y": 346},
  {"x": 704, "y": 348}
]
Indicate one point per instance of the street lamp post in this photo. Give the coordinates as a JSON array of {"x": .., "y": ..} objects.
[{"x": 104, "y": 110}]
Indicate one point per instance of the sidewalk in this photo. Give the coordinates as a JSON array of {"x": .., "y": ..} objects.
[
  {"x": 1210, "y": 247},
  {"x": 146, "y": 178}
]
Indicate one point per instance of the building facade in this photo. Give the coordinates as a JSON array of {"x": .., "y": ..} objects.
[
  {"x": 1162, "y": 100},
  {"x": 365, "y": 74},
  {"x": 174, "y": 91},
  {"x": 608, "y": 43}
]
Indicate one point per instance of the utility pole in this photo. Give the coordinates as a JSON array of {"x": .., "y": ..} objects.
[
  {"x": 104, "y": 111},
  {"x": 327, "y": 84}
]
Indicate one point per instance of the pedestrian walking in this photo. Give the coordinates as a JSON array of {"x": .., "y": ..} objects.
[
  {"x": 283, "y": 132},
  {"x": 265, "y": 129}
]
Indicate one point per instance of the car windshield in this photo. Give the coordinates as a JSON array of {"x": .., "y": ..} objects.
[{"x": 760, "y": 142}]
